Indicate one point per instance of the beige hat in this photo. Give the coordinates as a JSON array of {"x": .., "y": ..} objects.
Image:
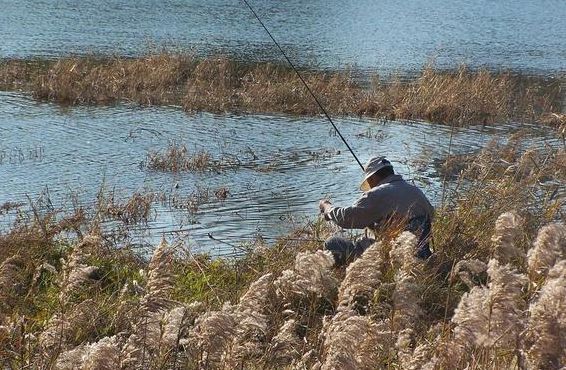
[{"x": 372, "y": 166}]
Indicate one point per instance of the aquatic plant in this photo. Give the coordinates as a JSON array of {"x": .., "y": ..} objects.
[
  {"x": 135, "y": 209},
  {"x": 218, "y": 84},
  {"x": 177, "y": 158}
]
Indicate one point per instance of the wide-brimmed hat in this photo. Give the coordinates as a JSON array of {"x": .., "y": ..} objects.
[{"x": 372, "y": 166}]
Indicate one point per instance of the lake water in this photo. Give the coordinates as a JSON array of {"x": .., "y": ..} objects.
[
  {"x": 291, "y": 163},
  {"x": 386, "y": 36},
  {"x": 63, "y": 151}
]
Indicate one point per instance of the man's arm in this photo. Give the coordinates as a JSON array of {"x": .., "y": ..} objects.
[{"x": 357, "y": 216}]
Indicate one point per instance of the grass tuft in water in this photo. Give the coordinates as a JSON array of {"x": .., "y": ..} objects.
[{"x": 177, "y": 158}]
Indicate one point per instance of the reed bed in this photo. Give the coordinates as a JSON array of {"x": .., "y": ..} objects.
[
  {"x": 218, "y": 84},
  {"x": 177, "y": 158},
  {"x": 492, "y": 295}
]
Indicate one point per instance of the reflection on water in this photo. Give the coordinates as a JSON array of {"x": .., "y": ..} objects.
[
  {"x": 295, "y": 161},
  {"x": 386, "y": 35}
]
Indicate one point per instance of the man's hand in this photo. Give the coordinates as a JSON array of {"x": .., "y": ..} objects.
[{"x": 324, "y": 205}]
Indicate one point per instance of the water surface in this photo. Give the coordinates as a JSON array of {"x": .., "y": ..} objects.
[
  {"x": 291, "y": 163},
  {"x": 383, "y": 35}
]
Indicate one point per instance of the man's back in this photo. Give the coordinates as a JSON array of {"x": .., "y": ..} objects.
[{"x": 392, "y": 198}]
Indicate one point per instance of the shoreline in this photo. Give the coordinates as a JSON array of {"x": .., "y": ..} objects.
[{"x": 458, "y": 97}]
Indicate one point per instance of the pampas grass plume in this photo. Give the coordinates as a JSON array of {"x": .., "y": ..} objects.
[
  {"x": 172, "y": 327},
  {"x": 212, "y": 332},
  {"x": 363, "y": 276},
  {"x": 549, "y": 247},
  {"x": 311, "y": 274},
  {"x": 464, "y": 269},
  {"x": 507, "y": 229},
  {"x": 406, "y": 295},
  {"x": 546, "y": 338},
  {"x": 285, "y": 345},
  {"x": 160, "y": 278},
  {"x": 490, "y": 317},
  {"x": 353, "y": 341}
]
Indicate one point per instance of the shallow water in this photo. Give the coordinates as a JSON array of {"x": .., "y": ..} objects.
[
  {"x": 76, "y": 150},
  {"x": 383, "y": 35}
]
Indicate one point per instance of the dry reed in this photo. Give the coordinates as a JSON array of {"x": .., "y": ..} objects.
[
  {"x": 363, "y": 277},
  {"x": 310, "y": 275},
  {"x": 177, "y": 158},
  {"x": 549, "y": 247},
  {"x": 155, "y": 79},
  {"x": 353, "y": 342},
  {"x": 218, "y": 84},
  {"x": 12, "y": 280},
  {"x": 136, "y": 209},
  {"x": 545, "y": 341},
  {"x": 63, "y": 327}
]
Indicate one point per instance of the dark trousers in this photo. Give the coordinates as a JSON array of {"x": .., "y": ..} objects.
[{"x": 344, "y": 250}]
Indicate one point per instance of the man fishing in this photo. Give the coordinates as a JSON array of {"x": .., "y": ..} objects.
[
  {"x": 387, "y": 197},
  {"x": 387, "y": 200}
]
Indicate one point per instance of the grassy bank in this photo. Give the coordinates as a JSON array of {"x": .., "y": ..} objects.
[
  {"x": 492, "y": 296},
  {"x": 456, "y": 97}
]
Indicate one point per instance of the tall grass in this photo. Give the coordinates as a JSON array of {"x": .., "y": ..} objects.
[
  {"x": 491, "y": 296},
  {"x": 218, "y": 84}
]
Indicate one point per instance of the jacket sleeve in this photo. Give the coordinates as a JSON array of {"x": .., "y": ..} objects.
[{"x": 357, "y": 216}]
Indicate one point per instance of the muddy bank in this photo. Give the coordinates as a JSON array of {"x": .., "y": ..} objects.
[{"x": 457, "y": 97}]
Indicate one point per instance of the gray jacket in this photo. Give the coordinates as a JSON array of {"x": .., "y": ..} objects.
[{"x": 393, "y": 197}]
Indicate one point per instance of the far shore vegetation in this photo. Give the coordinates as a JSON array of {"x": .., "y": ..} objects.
[{"x": 459, "y": 97}]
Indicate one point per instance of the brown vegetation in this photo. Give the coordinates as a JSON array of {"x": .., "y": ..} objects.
[
  {"x": 154, "y": 80},
  {"x": 136, "y": 209},
  {"x": 177, "y": 158},
  {"x": 456, "y": 97},
  {"x": 492, "y": 295}
]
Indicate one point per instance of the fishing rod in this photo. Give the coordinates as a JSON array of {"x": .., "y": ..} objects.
[
  {"x": 304, "y": 83},
  {"x": 276, "y": 238}
]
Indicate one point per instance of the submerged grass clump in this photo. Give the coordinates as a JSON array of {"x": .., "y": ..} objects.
[
  {"x": 177, "y": 158},
  {"x": 218, "y": 84},
  {"x": 134, "y": 210},
  {"x": 79, "y": 301}
]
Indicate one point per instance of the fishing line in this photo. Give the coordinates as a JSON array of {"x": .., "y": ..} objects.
[{"x": 304, "y": 83}]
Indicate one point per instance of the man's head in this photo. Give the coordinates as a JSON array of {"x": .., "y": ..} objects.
[{"x": 376, "y": 169}]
